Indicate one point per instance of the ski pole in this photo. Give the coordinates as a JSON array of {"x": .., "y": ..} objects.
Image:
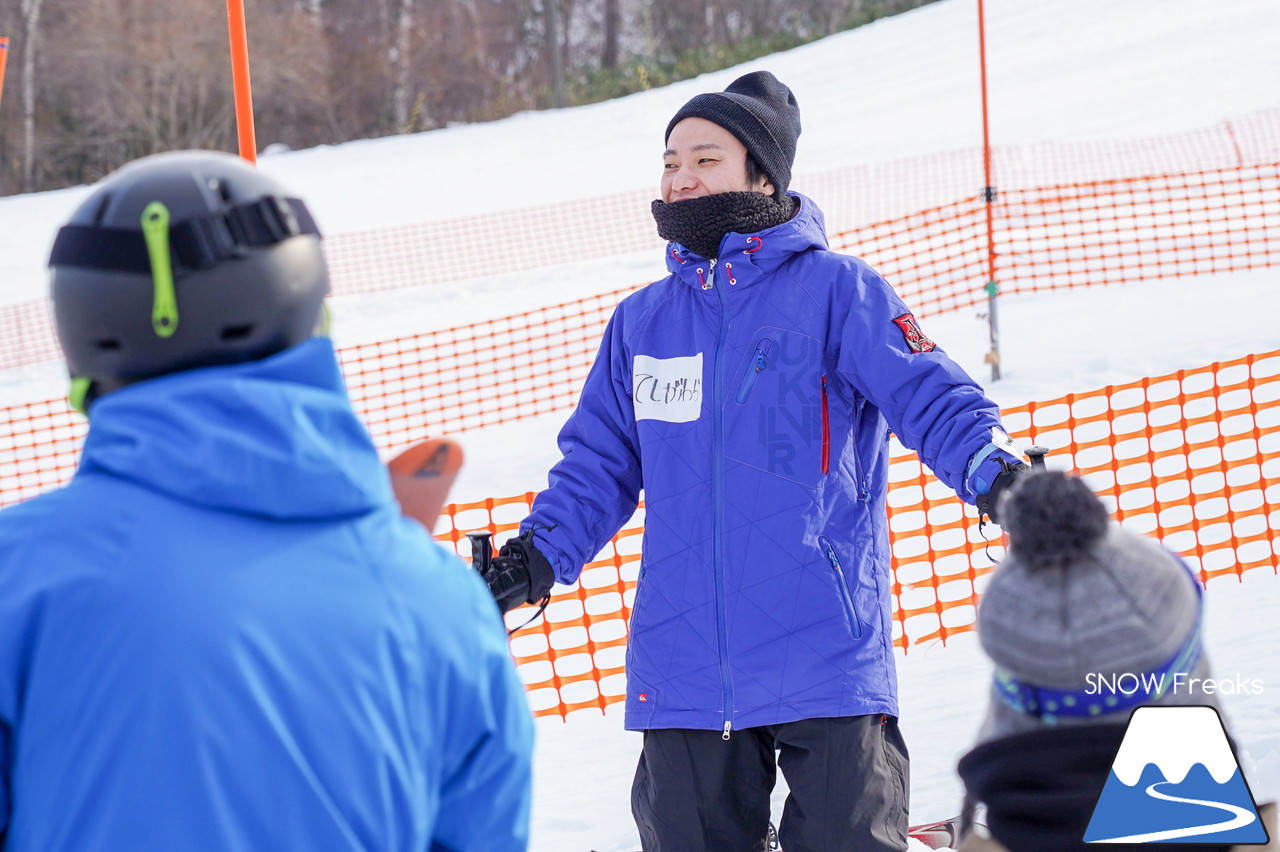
[{"x": 481, "y": 551}]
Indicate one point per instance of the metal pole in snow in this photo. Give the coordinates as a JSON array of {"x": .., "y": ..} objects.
[{"x": 989, "y": 194}]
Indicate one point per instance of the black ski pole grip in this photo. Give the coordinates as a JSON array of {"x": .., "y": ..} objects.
[
  {"x": 1037, "y": 453},
  {"x": 481, "y": 550}
]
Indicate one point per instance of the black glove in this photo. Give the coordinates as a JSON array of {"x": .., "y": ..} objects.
[
  {"x": 988, "y": 504},
  {"x": 519, "y": 574}
]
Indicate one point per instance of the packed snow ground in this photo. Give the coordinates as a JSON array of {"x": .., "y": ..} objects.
[{"x": 901, "y": 87}]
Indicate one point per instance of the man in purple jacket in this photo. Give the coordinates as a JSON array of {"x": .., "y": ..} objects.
[{"x": 750, "y": 394}]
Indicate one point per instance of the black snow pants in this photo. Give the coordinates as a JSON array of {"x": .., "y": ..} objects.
[{"x": 694, "y": 791}]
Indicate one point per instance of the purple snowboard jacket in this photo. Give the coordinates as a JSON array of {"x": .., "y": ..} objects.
[{"x": 750, "y": 399}]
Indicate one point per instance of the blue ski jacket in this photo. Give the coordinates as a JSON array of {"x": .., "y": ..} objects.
[
  {"x": 223, "y": 634},
  {"x": 751, "y": 399}
]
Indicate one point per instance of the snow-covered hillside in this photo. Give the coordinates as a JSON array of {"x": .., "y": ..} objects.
[{"x": 900, "y": 87}]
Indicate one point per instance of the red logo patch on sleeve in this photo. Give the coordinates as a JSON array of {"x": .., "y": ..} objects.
[{"x": 913, "y": 335}]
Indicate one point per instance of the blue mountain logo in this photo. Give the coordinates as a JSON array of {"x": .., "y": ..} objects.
[{"x": 1175, "y": 780}]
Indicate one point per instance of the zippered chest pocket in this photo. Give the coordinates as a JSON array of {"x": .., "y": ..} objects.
[
  {"x": 757, "y": 365},
  {"x": 772, "y": 406}
]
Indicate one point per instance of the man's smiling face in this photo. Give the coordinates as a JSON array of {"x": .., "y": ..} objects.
[{"x": 702, "y": 158}]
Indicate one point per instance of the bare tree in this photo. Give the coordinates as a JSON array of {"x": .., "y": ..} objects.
[
  {"x": 30, "y": 10},
  {"x": 293, "y": 102},
  {"x": 610, "y": 25},
  {"x": 554, "y": 50},
  {"x": 402, "y": 64},
  {"x": 133, "y": 77}
]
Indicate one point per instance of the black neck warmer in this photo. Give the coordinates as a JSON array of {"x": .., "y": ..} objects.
[
  {"x": 1040, "y": 787},
  {"x": 699, "y": 224}
]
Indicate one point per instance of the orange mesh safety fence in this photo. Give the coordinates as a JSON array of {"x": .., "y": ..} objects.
[
  {"x": 1192, "y": 458},
  {"x": 1079, "y": 235},
  {"x": 491, "y": 243},
  {"x": 27, "y": 335},
  {"x": 39, "y": 447},
  {"x": 484, "y": 374},
  {"x": 1237, "y": 143},
  {"x": 1119, "y": 231},
  {"x": 554, "y": 234},
  {"x": 938, "y": 252},
  {"x": 935, "y": 259},
  {"x": 1139, "y": 229},
  {"x": 435, "y": 383},
  {"x": 406, "y": 389}
]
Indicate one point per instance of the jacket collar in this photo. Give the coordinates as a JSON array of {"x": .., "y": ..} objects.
[
  {"x": 747, "y": 258},
  {"x": 273, "y": 438}
]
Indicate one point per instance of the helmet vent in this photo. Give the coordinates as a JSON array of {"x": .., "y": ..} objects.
[
  {"x": 223, "y": 190},
  {"x": 108, "y": 345},
  {"x": 233, "y": 333},
  {"x": 101, "y": 212}
]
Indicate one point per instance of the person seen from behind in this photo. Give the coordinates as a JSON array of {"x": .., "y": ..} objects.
[{"x": 222, "y": 633}]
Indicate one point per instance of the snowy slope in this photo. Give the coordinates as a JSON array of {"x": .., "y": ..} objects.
[{"x": 900, "y": 87}]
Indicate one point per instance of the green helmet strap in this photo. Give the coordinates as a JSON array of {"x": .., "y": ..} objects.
[
  {"x": 164, "y": 305},
  {"x": 78, "y": 398}
]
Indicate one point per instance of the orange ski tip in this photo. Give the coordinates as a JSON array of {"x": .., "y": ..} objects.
[
  {"x": 422, "y": 475},
  {"x": 434, "y": 457}
]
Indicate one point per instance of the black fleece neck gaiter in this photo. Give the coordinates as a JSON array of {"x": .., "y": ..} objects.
[{"x": 699, "y": 224}]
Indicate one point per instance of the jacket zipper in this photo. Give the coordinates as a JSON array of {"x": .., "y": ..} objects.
[
  {"x": 843, "y": 582},
  {"x": 756, "y": 368},
  {"x": 826, "y": 429},
  {"x": 717, "y": 512},
  {"x": 862, "y": 477}
]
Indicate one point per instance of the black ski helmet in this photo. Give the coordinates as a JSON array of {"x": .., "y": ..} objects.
[{"x": 183, "y": 260}]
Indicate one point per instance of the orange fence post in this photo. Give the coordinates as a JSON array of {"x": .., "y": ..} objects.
[
  {"x": 240, "y": 80},
  {"x": 989, "y": 194},
  {"x": 4, "y": 56}
]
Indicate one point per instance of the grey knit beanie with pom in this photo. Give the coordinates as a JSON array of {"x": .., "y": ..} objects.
[{"x": 1079, "y": 602}]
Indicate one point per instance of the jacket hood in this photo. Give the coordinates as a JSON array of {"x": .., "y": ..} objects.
[
  {"x": 753, "y": 255},
  {"x": 276, "y": 438}
]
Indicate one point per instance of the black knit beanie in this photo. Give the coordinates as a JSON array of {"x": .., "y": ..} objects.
[{"x": 762, "y": 113}]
